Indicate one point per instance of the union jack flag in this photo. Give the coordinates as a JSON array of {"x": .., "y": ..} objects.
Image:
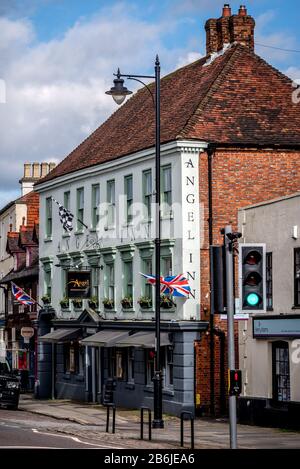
[
  {"x": 21, "y": 296},
  {"x": 175, "y": 285}
]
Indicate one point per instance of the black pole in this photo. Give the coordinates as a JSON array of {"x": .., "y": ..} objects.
[{"x": 157, "y": 379}]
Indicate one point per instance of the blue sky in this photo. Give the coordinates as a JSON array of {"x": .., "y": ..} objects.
[{"x": 57, "y": 59}]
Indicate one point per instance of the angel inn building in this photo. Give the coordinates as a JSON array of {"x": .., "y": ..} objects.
[
  {"x": 111, "y": 336},
  {"x": 229, "y": 138}
]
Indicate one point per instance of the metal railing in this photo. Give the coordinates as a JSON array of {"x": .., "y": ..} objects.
[
  {"x": 113, "y": 407},
  {"x": 190, "y": 417},
  {"x": 149, "y": 422}
]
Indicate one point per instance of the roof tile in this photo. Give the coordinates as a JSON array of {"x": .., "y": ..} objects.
[{"x": 237, "y": 99}]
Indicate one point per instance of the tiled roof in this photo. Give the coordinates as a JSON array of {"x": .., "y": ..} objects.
[
  {"x": 32, "y": 271},
  {"x": 26, "y": 237},
  {"x": 12, "y": 245},
  {"x": 237, "y": 99}
]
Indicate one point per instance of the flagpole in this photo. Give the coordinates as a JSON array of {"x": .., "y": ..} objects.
[{"x": 59, "y": 204}]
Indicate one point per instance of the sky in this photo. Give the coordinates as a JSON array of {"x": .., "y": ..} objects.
[{"x": 57, "y": 59}]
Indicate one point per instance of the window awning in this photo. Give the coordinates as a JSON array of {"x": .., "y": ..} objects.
[
  {"x": 60, "y": 336},
  {"x": 106, "y": 338},
  {"x": 143, "y": 340}
]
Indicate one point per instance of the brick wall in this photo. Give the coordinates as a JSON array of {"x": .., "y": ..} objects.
[
  {"x": 33, "y": 204},
  {"x": 239, "y": 178}
]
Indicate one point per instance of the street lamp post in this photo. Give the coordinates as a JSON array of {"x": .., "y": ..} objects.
[{"x": 119, "y": 93}]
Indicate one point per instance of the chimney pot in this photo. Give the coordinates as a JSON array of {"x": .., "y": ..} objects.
[
  {"x": 226, "y": 10},
  {"x": 243, "y": 11},
  {"x": 36, "y": 170},
  {"x": 27, "y": 170},
  {"x": 51, "y": 166},
  {"x": 44, "y": 169}
]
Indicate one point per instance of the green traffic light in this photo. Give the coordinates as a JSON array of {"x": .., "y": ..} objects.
[{"x": 252, "y": 299}]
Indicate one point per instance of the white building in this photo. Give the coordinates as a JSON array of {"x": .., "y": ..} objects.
[{"x": 115, "y": 202}]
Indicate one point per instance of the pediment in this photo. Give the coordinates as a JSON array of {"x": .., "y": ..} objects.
[{"x": 88, "y": 315}]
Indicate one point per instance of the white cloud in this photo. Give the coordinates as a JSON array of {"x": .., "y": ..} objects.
[
  {"x": 188, "y": 58},
  {"x": 293, "y": 73},
  {"x": 55, "y": 91},
  {"x": 279, "y": 39}
]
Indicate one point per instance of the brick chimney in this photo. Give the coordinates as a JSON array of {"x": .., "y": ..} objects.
[
  {"x": 229, "y": 29},
  {"x": 32, "y": 173}
]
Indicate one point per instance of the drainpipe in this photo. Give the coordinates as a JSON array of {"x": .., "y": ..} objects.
[
  {"x": 210, "y": 152},
  {"x": 94, "y": 398}
]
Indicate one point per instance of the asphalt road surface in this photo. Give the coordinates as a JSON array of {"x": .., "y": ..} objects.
[{"x": 27, "y": 431}]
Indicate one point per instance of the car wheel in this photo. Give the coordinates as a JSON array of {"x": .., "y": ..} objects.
[{"x": 13, "y": 407}]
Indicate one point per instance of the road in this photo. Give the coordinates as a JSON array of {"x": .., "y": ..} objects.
[
  {"x": 24, "y": 430},
  {"x": 69, "y": 425}
]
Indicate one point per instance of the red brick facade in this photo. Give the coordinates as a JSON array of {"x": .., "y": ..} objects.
[
  {"x": 239, "y": 178},
  {"x": 33, "y": 205}
]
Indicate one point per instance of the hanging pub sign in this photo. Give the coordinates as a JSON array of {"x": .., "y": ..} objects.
[{"x": 78, "y": 284}]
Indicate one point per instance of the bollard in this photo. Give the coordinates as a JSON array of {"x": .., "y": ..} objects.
[
  {"x": 149, "y": 422},
  {"x": 108, "y": 406},
  {"x": 191, "y": 418}
]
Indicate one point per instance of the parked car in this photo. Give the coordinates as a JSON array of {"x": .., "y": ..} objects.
[{"x": 9, "y": 387}]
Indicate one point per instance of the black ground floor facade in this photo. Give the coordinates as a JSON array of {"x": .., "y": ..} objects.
[
  {"x": 113, "y": 361},
  {"x": 272, "y": 372},
  {"x": 266, "y": 413}
]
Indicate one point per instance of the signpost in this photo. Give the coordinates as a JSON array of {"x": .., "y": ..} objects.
[{"x": 27, "y": 333}]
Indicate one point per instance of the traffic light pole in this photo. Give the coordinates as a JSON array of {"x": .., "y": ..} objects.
[{"x": 230, "y": 328}]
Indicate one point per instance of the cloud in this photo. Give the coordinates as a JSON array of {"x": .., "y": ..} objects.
[
  {"x": 16, "y": 8},
  {"x": 188, "y": 58},
  {"x": 55, "y": 91},
  {"x": 280, "y": 39},
  {"x": 293, "y": 73},
  {"x": 8, "y": 196}
]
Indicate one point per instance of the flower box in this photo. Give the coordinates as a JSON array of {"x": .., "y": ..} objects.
[
  {"x": 108, "y": 303},
  {"x": 127, "y": 303}
]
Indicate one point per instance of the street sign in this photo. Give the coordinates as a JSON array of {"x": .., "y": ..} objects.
[{"x": 27, "y": 332}]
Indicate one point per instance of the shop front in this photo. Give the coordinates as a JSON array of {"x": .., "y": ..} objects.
[
  {"x": 272, "y": 372},
  {"x": 113, "y": 361}
]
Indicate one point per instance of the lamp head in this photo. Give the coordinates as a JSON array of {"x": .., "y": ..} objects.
[{"x": 118, "y": 91}]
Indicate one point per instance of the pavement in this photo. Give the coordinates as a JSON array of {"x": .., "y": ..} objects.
[{"x": 209, "y": 433}]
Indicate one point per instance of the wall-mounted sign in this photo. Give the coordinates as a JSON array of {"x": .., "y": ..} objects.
[
  {"x": 78, "y": 284},
  {"x": 273, "y": 327},
  {"x": 27, "y": 332}
]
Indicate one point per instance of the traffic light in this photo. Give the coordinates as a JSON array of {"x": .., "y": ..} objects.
[
  {"x": 235, "y": 382},
  {"x": 252, "y": 277},
  {"x": 218, "y": 279}
]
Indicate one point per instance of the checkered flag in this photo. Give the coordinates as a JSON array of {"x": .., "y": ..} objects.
[{"x": 65, "y": 216}]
